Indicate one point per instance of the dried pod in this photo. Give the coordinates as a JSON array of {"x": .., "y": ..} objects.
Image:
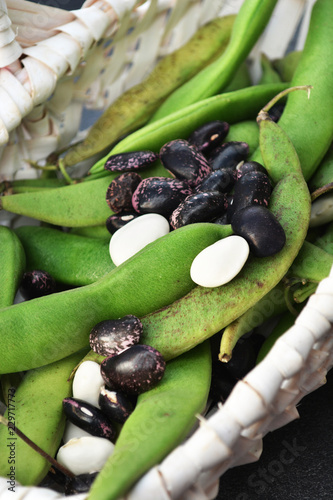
[
  {"x": 249, "y": 166},
  {"x": 120, "y": 191},
  {"x": 37, "y": 283},
  {"x": 115, "y": 405},
  {"x": 159, "y": 195},
  {"x": 260, "y": 228},
  {"x": 229, "y": 155},
  {"x": 253, "y": 188},
  {"x": 89, "y": 418},
  {"x": 110, "y": 337},
  {"x": 209, "y": 136},
  {"x": 124, "y": 162},
  {"x": 199, "y": 207},
  {"x": 115, "y": 222},
  {"x": 184, "y": 161},
  {"x": 219, "y": 180},
  {"x": 133, "y": 371}
]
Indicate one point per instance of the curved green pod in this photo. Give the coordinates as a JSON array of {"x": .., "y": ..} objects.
[
  {"x": 52, "y": 327},
  {"x": 70, "y": 259},
  {"x": 36, "y": 408}
]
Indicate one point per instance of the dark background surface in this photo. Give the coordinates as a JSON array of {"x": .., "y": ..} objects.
[{"x": 309, "y": 473}]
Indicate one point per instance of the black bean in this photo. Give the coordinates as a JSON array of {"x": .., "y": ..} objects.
[
  {"x": 88, "y": 418},
  {"x": 209, "y": 136},
  {"x": 219, "y": 180},
  {"x": 184, "y": 161},
  {"x": 228, "y": 155},
  {"x": 120, "y": 191},
  {"x": 124, "y": 162},
  {"x": 253, "y": 188},
  {"x": 249, "y": 166},
  {"x": 159, "y": 195},
  {"x": 115, "y": 405},
  {"x": 115, "y": 222},
  {"x": 261, "y": 229},
  {"x": 134, "y": 370},
  {"x": 37, "y": 283},
  {"x": 199, "y": 207},
  {"x": 110, "y": 337}
]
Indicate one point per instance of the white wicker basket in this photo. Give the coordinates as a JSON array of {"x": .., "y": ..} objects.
[{"x": 85, "y": 59}]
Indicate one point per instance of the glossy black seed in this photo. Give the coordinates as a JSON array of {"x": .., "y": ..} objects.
[
  {"x": 159, "y": 195},
  {"x": 229, "y": 155},
  {"x": 133, "y": 371},
  {"x": 80, "y": 484},
  {"x": 253, "y": 188},
  {"x": 115, "y": 405},
  {"x": 115, "y": 222},
  {"x": 261, "y": 229},
  {"x": 199, "y": 207},
  {"x": 37, "y": 283},
  {"x": 209, "y": 136},
  {"x": 124, "y": 162},
  {"x": 110, "y": 337},
  {"x": 276, "y": 111},
  {"x": 88, "y": 418},
  {"x": 219, "y": 180},
  {"x": 250, "y": 166},
  {"x": 184, "y": 161},
  {"x": 120, "y": 191}
]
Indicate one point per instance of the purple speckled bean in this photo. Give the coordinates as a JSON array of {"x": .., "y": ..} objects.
[
  {"x": 115, "y": 405},
  {"x": 133, "y": 371},
  {"x": 110, "y": 337},
  {"x": 120, "y": 191},
  {"x": 124, "y": 162},
  {"x": 37, "y": 283},
  {"x": 209, "y": 136},
  {"x": 228, "y": 155},
  {"x": 159, "y": 195},
  {"x": 184, "y": 161},
  {"x": 88, "y": 418}
]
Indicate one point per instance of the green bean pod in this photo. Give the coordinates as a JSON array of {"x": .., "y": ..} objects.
[
  {"x": 36, "y": 408},
  {"x": 250, "y": 22},
  {"x": 231, "y": 107},
  {"x": 70, "y": 259},
  {"x": 286, "y": 65},
  {"x": 313, "y": 134},
  {"x": 286, "y": 322},
  {"x": 269, "y": 74},
  {"x": 74, "y": 205},
  {"x": 245, "y": 131},
  {"x": 49, "y": 328},
  {"x": 12, "y": 265},
  {"x": 324, "y": 173},
  {"x": 27, "y": 185},
  {"x": 99, "y": 232},
  {"x": 161, "y": 420},
  {"x": 204, "y": 311},
  {"x": 133, "y": 108}
]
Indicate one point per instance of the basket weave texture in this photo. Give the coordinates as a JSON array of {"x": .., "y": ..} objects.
[{"x": 60, "y": 63}]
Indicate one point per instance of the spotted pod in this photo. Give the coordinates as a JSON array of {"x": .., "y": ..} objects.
[
  {"x": 199, "y": 207},
  {"x": 115, "y": 222},
  {"x": 115, "y": 405},
  {"x": 120, "y": 191},
  {"x": 37, "y": 283},
  {"x": 209, "y": 136},
  {"x": 133, "y": 371},
  {"x": 110, "y": 337},
  {"x": 89, "y": 418},
  {"x": 184, "y": 161},
  {"x": 220, "y": 180},
  {"x": 159, "y": 195},
  {"x": 249, "y": 166},
  {"x": 261, "y": 229},
  {"x": 125, "y": 162},
  {"x": 229, "y": 155},
  {"x": 253, "y": 188}
]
